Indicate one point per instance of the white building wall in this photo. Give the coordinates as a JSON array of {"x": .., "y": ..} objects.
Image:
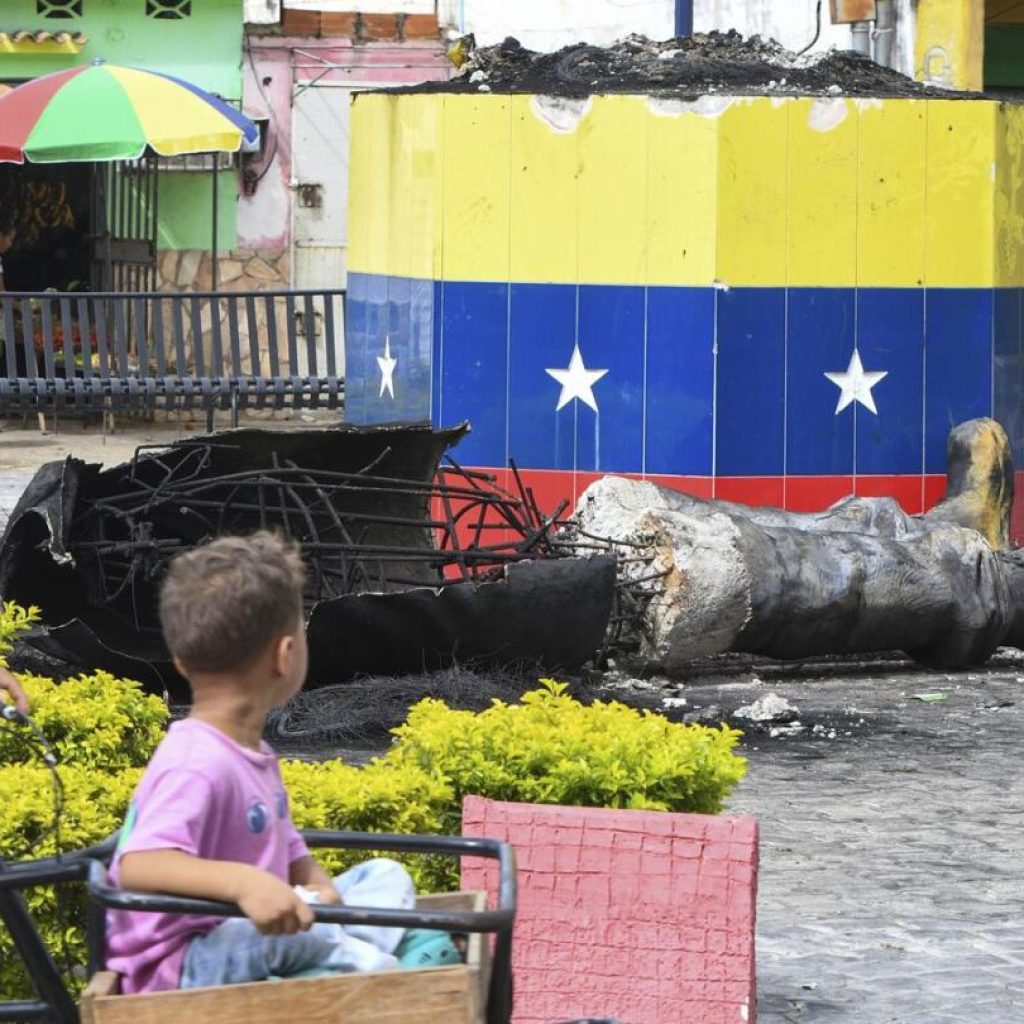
[
  {"x": 363, "y": 6},
  {"x": 551, "y": 24},
  {"x": 262, "y": 12},
  {"x": 791, "y": 22}
]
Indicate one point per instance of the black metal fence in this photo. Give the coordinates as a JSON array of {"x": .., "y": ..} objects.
[{"x": 117, "y": 350}]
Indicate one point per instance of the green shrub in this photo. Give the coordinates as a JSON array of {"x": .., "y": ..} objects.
[
  {"x": 547, "y": 749},
  {"x": 103, "y": 730},
  {"x": 378, "y": 798},
  {"x": 14, "y": 620},
  {"x": 550, "y": 749},
  {"x": 94, "y": 721},
  {"x": 94, "y": 806}
]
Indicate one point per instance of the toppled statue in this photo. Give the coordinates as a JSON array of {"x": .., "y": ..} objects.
[
  {"x": 708, "y": 577},
  {"x": 404, "y": 573}
]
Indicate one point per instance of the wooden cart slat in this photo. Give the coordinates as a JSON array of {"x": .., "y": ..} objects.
[{"x": 452, "y": 995}]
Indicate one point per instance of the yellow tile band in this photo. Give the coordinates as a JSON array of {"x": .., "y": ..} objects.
[{"x": 634, "y": 190}]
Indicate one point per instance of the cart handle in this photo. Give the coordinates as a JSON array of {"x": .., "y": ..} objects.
[
  {"x": 67, "y": 867},
  {"x": 499, "y": 920}
]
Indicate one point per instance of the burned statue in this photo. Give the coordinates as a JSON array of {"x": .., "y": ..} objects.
[
  {"x": 705, "y": 577},
  {"x": 411, "y": 564},
  {"x": 415, "y": 564}
]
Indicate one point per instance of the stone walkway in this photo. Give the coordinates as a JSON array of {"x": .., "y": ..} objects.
[{"x": 892, "y": 831}]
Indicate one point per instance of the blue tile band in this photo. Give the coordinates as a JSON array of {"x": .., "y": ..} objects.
[{"x": 697, "y": 381}]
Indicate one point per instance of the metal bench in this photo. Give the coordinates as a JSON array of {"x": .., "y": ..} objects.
[{"x": 116, "y": 351}]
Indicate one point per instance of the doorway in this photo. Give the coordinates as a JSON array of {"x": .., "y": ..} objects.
[
  {"x": 124, "y": 209},
  {"x": 81, "y": 226},
  {"x": 50, "y": 208}
]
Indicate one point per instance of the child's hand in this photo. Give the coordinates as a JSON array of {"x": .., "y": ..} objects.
[
  {"x": 311, "y": 876},
  {"x": 272, "y": 905},
  {"x": 325, "y": 892}
]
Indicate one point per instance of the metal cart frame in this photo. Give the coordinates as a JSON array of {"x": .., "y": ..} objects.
[{"x": 55, "y": 1004}]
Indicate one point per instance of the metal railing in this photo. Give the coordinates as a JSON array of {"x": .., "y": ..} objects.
[{"x": 215, "y": 350}]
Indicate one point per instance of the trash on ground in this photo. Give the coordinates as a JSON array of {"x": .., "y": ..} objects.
[{"x": 769, "y": 708}]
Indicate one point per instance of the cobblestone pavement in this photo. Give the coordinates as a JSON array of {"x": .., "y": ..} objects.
[
  {"x": 892, "y": 829},
  {"x": 892, "y": 834}
]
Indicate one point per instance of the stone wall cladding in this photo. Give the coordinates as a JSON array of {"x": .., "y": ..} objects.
[
  {"x": 240, "y": 270},
  {"x": 644, "y": 916},
  {"x": 190, "y": 270}
]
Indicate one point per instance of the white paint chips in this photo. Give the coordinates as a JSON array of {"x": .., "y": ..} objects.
[
  {"x": 827, "y": 114},
  {"x": 703, "y": 106},
  {"x": 560, "y": 113}
]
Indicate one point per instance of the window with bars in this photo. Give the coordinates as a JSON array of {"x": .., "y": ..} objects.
[
  {"x": 59, "y": 8},
  {"x": 169, "y": 9}
]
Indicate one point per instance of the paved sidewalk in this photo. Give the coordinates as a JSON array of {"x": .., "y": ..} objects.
[
  {"x": 892, "y": 863},
  {"x": 23, "y": 448}
]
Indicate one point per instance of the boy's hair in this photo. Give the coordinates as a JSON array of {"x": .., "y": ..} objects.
[{"x": 223, "y": 603}]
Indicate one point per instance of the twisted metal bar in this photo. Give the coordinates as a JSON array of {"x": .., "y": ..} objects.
[{"x": 174, "y": 501}]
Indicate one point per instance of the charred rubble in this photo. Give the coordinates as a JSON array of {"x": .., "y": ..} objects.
[
  {"x": 412, "y": 562},
  {"x": 689, "y": 67}
]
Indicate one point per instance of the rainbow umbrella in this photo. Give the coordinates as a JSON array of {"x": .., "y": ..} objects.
[{"x": 105, "y": 112}]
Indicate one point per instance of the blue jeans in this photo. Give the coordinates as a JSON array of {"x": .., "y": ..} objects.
[{"x": 236, "y": 952}]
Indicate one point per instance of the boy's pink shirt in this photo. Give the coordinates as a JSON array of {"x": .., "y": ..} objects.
[{"x": 207, "y": 796}]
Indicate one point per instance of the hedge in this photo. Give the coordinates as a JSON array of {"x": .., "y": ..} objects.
[{"x": 549, "y": 748}]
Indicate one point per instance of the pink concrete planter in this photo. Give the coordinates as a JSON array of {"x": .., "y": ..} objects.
[{"x": 639, "y": 915}]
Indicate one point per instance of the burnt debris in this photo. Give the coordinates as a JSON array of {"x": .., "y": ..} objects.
[
  {"x": 411, "y": 564},
  {"x": 686, "y": 68}
]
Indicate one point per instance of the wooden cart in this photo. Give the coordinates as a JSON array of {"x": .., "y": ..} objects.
[{"x": 476, "y": 992}]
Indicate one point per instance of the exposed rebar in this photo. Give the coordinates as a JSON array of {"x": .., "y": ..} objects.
[{"x": 341, "y": 521}]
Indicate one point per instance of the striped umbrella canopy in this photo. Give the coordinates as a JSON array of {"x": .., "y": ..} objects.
[{"x": 106, "y": 112}]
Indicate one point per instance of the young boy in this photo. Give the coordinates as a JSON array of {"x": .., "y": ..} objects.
[{"x": 210, "y": 817}]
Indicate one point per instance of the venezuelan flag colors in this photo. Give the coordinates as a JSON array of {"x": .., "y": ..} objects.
[{"x": 776, "y": 300}]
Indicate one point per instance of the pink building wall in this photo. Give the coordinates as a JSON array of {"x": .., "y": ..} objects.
[{"x": 273, "y": 67}]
